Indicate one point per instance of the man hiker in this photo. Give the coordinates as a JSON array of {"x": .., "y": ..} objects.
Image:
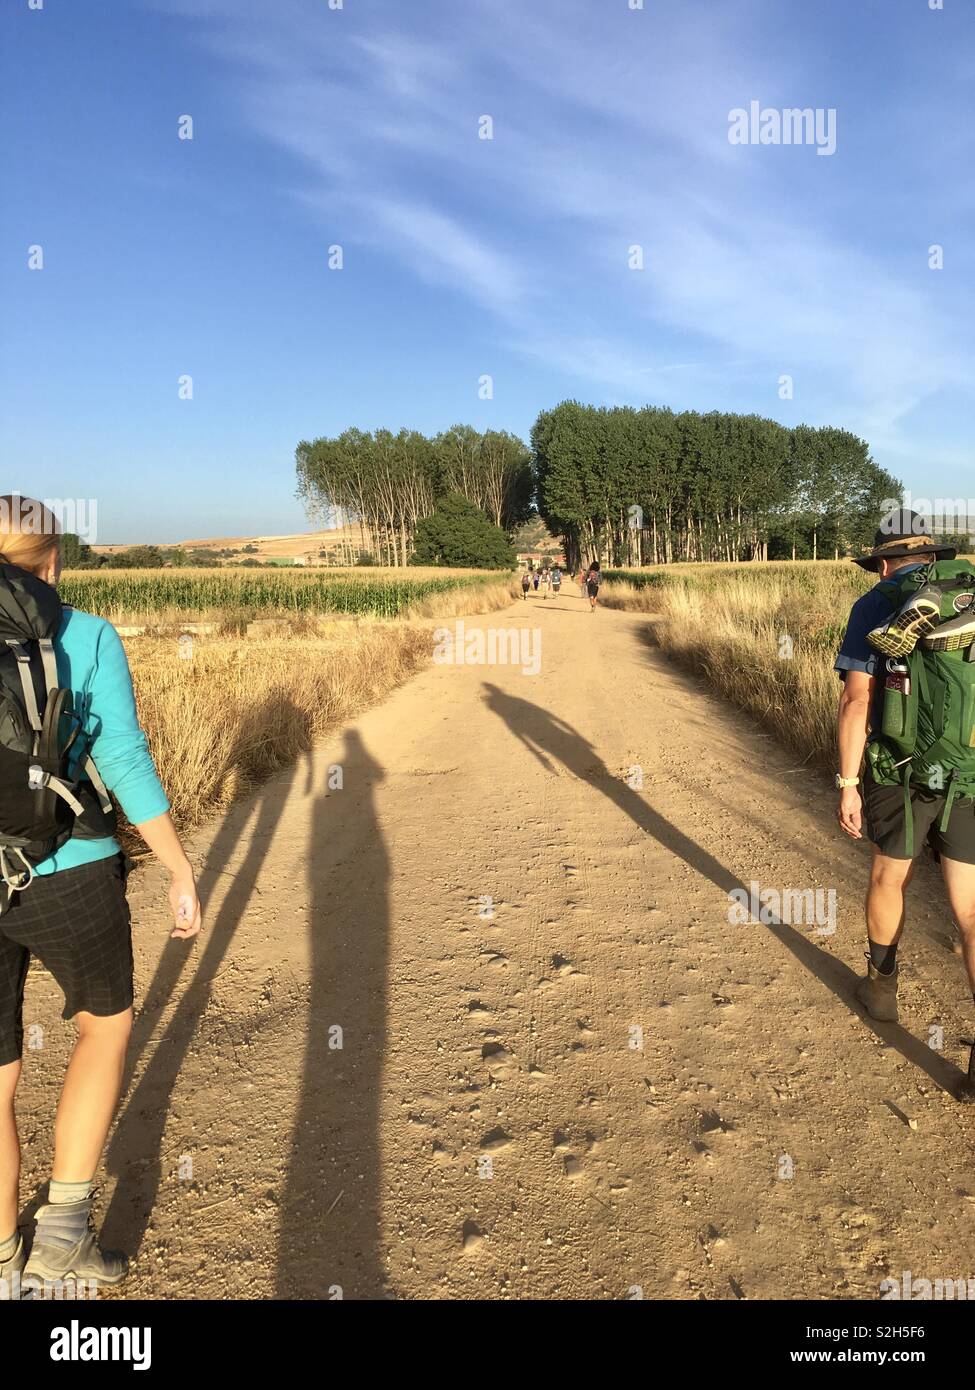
[{"x": 907, "y": 663}]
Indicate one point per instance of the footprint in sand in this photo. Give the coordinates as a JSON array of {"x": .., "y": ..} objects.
[
  {"x": 495, "y": 958},
  {"x": 499, "y": 1059},
  {"x": 496, "y": 1138},
  {"x": 561, "y": 965},
  {"x": 472, "y": 1237}
]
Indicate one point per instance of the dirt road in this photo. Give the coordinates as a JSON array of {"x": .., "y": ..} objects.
[{"x": 562, "y": 1072}]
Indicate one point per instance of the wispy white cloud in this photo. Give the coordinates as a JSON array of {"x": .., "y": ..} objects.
[{"x": 610, "y": 130}]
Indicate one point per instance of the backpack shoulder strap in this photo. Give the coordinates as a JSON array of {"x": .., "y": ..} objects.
[
  {"x": 87, "y": 763},
  {"x": 27, "y": 683},
  {"x": 49, "y": 662}
]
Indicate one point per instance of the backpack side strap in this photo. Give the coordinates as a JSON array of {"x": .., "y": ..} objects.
[
  {"x": 104, "y": 800},
  {"x": 908, "y": 813}
]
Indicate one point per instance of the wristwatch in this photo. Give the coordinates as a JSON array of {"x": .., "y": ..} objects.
[{"x": 842, "y": 782}]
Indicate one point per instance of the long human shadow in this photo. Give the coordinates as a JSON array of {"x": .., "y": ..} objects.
[
  {"x": 134, "y": 1151},
  {"x": 331, "y": 1205},
  {"x": 551, "y": 740}
]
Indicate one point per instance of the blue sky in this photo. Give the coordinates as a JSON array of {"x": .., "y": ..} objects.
[{"x": 463, "y": 257}]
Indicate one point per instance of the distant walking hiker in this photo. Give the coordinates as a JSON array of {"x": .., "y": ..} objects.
[
  {"x": 535, "y": 580},
  {"x": 908, "y": 668},
  {"x": 526, "y": 583},
  {"x": 593, "y": 581},
  {"x": 68, "y": 731},
  {"x": 546, "y": 581},
  {"x": 556, "y": 581}
]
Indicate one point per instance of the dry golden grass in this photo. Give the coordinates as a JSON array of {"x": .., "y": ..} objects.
[
  {"x": 620, "y": 594},
  {"x": 237, "y": 712},
  {"x": 486, "y": 598},
  {"x": 239, "y": 709}
]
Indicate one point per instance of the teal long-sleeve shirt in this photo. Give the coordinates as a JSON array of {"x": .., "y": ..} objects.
[{"x": 92, "y": 664}]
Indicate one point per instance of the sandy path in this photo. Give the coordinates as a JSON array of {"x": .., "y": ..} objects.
[{"x": 255, "y": 1158}]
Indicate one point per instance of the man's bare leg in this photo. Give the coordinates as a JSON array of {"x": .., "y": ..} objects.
[
  {"x": 886, "y": 912},
  {"x": 886, "y": 898},
  {"x": 960, "y": 882}
]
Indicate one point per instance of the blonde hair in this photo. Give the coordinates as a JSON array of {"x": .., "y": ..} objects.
[{"x": 29, "y": 533}]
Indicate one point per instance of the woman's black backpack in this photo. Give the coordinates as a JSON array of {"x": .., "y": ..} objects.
[{"x": 41, "y": 804}]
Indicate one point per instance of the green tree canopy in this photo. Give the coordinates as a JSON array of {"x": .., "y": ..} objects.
[
  {"x": 629, "y": 486},
  {"x": 458, "y": 534},
  {"x": 383, "y": 484},
  {"x": 75, "y": 554},
  {"x": 137, "y": 557}
]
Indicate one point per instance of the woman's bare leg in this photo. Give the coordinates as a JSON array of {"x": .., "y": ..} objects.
[
  {"x": 9, "y": 1151},
  {"x": 89, "y": 1095}
]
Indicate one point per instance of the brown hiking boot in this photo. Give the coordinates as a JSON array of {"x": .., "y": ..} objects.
[{"x": 878, "y": 994}]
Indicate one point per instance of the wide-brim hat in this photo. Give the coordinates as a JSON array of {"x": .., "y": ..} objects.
[{"x": 901, "y": 535}]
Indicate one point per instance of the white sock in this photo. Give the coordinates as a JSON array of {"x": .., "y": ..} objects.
[{"x": 61, "y": 1192}]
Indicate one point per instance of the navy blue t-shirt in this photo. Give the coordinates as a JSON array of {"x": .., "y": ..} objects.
[{"x": 856, "y": 653}]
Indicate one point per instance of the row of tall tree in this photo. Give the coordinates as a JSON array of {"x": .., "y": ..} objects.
[
  {"x": 384, "y": 484},
  {"x": 629, "y": 486},
  {"x": 650, "y": 485}
]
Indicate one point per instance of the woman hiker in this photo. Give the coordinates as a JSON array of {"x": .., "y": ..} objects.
[
  {"x": 72, "y": 913},
  {"x": 593, "y": 580}
]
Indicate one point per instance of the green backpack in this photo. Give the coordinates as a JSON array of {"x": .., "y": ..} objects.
[{"x": 927, "y": 735}]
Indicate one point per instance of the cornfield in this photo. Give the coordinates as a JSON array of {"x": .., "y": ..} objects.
[{"x": 148, "y": 593}]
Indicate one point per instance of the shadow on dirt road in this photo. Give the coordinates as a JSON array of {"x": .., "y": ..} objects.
[{"x": 551, "y": 741}]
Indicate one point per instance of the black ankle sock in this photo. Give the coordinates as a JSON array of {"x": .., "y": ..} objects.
[{"x": 883, "y": 958}]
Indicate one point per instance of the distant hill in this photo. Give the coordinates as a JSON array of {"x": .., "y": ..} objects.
[
  {"x": 339, "y": 544},
  {"x": 533, "y": 539}
]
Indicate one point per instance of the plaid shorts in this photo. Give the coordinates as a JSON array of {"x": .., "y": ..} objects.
[{"x": 76, "y": 922}]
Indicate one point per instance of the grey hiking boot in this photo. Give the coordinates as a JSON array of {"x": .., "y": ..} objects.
[
  {"x": 65, "y": 1248},
  {"x": 10, "y": 1272},
  {"x": 878, "y": 994},
  {"x": 952, "y": 636},
  {"x": 916, "y": 617}
]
